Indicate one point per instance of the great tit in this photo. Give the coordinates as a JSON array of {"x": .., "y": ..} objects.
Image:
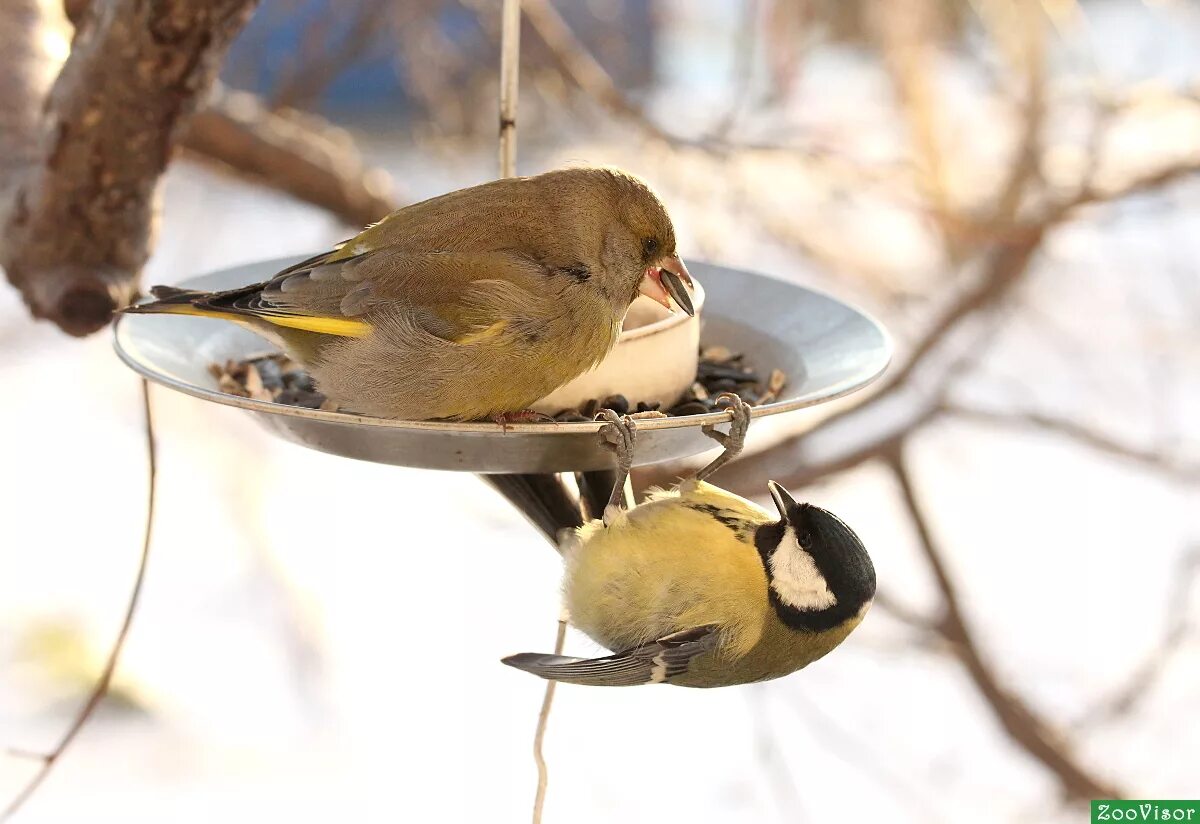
[
  {"x": 701, "y": 588},
  {"x": 472, "y": 305}
]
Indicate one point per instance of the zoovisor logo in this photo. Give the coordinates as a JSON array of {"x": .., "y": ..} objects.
[{"x": 1146, "y": 811}]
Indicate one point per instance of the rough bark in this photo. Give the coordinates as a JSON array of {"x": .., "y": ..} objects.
[{"x": 82, "y": 219}]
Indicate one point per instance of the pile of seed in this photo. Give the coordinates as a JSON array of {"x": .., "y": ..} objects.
[
  {"x": 278, "y": 378},
  {"x": 274, "y": 377}
]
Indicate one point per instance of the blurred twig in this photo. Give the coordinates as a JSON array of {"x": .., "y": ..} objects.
[
  {"x": 790, "y": 463},
  {"x": 858, "y": 753},
  {"x": 577, "y": 62},
  {"x": 1024, "y": 38},
  {"x": 1077, "y": 432},
  {"x": 48, "y": 760},
  {"x": 772, "y": 760},
  {"x": 1007, "y": 262},
  {"x": 745, "y": 41},
  {"x": 905, "y": 30},
  {"x": 294, "y": 152},
  {"x": 322, "y": 58},
  {"x": 1017, "y": 718},
  {"x": 1143, "y": 677}
]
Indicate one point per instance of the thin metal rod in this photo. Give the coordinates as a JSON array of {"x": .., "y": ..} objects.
[{"x": 510, "y": 70}]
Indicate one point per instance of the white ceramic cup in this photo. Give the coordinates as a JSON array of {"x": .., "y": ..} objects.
[{"x": 654, "y": 360}]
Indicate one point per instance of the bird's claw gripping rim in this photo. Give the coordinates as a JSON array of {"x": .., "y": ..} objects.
[
  {"x": 619, "y": 436},
  {"x": 734, "y": 440}
]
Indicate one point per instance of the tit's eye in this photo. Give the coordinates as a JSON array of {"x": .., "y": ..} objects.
[
  {"x": 805, "y": 538},
  {"x": 650, "y": 246}
]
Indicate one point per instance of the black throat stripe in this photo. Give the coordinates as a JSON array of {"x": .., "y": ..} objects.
[{"x": 739, "y": 526}]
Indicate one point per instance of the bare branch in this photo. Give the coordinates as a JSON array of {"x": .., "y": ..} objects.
[
  {"x": 744, "y": 48},
  {"x": 318, "y": 65},
  {"x": 1092, "y": 439},
  {"x": 83, "y": 222},
  {"x": 1091, "y": 195},
  {"x": 1022, "y": 724},
  {"x": 294, "y": 152},
  {"x": 772, "y": 760},
  {"x": 906, "y": 614},
  {"x": 859, "y": 753},
  {"x": 905, "y": 30},
  {"x": 1026, "y": 38},
  {"x": 1140, "y": 683},
  {"x": 803, "y": 465},
  {"x": 578, "y": 63},
  {"x": 110, "y": 667}
]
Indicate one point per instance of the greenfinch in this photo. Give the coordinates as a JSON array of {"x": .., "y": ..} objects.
[
  {"x": 699, "y": 587},
  {"x": 472, "y": 305}
]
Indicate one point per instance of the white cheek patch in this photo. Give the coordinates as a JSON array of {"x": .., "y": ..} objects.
[{"x": 796, "y": 579}]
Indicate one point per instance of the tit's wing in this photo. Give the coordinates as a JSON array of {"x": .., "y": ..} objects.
[{"x": 654, "y": 663}]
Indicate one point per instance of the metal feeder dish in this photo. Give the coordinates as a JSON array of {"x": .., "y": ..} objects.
[{"x": 826, "y": 347}]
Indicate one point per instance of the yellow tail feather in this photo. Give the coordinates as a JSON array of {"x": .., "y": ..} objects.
[{"x": 323, "y": 325}]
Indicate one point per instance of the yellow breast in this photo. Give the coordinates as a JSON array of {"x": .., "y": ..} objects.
[{"x": 675, "y": 562}]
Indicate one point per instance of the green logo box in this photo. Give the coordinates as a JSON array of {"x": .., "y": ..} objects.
[{"x": 1146, "y": 811}]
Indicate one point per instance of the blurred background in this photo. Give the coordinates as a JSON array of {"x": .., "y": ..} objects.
[{"x": 1010, "y": 186}]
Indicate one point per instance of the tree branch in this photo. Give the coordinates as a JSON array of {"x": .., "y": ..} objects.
[
  {"x": 1143, "y": 677},
  {"x": 293, "y": 152},
  {"x": 82, "y": 222},
  {"x": 1083, "y": 435},
  {"x": 1022, "y": 724},
  {"x": 110, "y": 666}
]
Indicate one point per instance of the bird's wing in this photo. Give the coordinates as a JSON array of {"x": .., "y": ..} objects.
[
  {"x": 654, "y": 663},
  {"x": 456, "y": 296}
]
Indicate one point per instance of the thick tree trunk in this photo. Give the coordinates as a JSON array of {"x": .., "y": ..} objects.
[
  {"x": 81, "y": 220},
  {"x": 34, "y": 40}
]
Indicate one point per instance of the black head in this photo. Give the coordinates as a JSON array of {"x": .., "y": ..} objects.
[{"x": 819, "y": 574}]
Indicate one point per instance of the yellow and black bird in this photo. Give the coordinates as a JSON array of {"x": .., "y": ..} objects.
[
  {"x": 471, "y": 305},
  {"x": 701, "y": 588}
]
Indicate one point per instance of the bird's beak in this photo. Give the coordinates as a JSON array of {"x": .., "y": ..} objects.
[
  {"x": 665, "y": 280},
  {"x": 783, "y": 499}
]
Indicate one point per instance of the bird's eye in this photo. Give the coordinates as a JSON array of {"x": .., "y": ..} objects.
[
  {"x": 650, "y": 246},
  {"x": 805, "y": 538}
]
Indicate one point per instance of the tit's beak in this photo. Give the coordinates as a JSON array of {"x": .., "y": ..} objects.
[
  {"x": 783, "y": 499},
  {"x": 665, "y": 280}
]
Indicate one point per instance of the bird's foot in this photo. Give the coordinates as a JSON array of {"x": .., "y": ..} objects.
[
  {"x": 521, "y": 416},
  {"x": 739, "y": 423},
  {"x": 619, "y": 436}
]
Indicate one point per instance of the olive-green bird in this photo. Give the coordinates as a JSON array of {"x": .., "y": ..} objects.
[
  {"x": 471, "y": 305},
  {"x": 701, "y": 588}
]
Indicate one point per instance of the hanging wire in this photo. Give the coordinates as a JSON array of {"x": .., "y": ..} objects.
[{"x": 510, "y": 64}]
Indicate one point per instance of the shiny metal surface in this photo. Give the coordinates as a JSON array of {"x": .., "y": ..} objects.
[{"x": 827, "y": 348}]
